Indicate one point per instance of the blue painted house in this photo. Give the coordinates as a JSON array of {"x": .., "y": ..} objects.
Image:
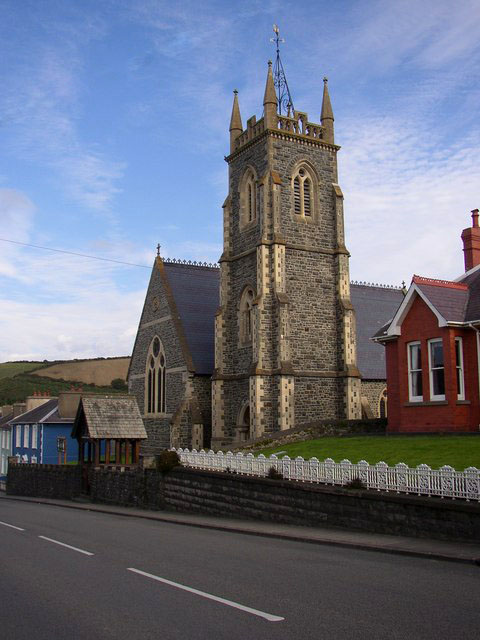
[{"x": 42, "y": 435}]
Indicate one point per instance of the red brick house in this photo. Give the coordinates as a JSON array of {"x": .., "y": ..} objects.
[{"x": 433, "y": 350}]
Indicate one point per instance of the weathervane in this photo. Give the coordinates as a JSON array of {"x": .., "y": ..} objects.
[{"x": 279, "y": 78}]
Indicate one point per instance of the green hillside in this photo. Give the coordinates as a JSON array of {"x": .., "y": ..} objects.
[
  {"x": 18, "y": 387},
  {"x": 9, "y": 369}
]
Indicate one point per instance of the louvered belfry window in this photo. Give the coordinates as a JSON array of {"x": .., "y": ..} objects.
[
  {"x": 296, "y": 195},
  {"x": 156, "y": 378},
  {"x": 303, "y": 193}
]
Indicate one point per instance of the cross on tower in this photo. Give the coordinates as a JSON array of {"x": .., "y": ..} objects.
[{"x": 280, "y": 79}]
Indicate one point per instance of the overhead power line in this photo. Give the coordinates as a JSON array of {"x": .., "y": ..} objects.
[{"x": 74, "y": 253}]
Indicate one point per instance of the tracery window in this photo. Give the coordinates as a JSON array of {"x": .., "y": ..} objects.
[
  {"x": 248, "y": 198},
  {"x": 303, "y": 193},
  {"x": 246, "y": 315},
  {"x": 155, "y": 382}
]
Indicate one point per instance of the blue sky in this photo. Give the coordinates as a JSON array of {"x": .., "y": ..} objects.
[{"x": 114, "y": 124}]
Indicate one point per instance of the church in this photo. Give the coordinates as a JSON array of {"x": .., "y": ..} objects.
[{"x": 276, "y": 335}]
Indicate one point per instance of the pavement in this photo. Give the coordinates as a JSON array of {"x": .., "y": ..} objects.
[{"x": 464, "y": 552}]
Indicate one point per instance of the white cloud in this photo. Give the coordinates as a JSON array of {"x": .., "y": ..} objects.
[
  {"x": 407, "y": 200},
  {"x": 16, "y": 214}
]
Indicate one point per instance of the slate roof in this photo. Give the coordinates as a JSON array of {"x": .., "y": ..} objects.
[
  {"x": 4, "y": 420},
  {"x": 448, "y": 298},
  {"x": 114, "y": 417},
  {"x": 374, "y": 307},
  {"x": 472, "y": 312},
  {"x": 455, "y": 301},
  {"x": 37, "y": 414},
  {"x": 196, "y": 293}
]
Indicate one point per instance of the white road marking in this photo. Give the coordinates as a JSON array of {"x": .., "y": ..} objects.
[
  {"x": 62, "y": 544},
  {"x": 230, "y": 603},
  {"x": 5, "y": 524}
]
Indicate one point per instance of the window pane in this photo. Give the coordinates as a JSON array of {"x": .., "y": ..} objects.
[
  {"x": 438, "y": 379},
  {"x": 415, "y": 356},
  {"x": 436, "y": 350},
  {"x": 417, "y": 386}
]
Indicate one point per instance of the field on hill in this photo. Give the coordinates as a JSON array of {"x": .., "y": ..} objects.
[
  {"x": 9, "y": 369},
  {"x": 16, "y": 389},
  {"x": 459, "y": 452},
  {"x": 100, "y": 372}
]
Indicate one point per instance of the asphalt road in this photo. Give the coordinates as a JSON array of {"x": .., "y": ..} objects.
[{"x": 148, "y": 579}]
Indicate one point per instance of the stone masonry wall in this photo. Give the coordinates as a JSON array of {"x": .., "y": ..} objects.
[
  {"x": 44, "y": 480},
  {"x": 221, "y": 494}
]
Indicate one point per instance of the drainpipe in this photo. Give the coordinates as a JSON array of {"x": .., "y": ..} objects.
[{"x": 478, "y": 356}]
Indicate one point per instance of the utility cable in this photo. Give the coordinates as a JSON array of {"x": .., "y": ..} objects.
[{"x": 73, "y": 253}]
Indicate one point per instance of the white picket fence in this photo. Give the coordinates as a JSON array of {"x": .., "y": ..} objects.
[{"x": 445, "y": 482}]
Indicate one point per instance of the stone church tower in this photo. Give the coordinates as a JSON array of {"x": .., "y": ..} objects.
[{"x": 285, "y": 347}]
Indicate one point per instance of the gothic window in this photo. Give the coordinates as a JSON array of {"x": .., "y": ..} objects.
[
  {"x": 246, "y": 315},
  {"x": 155, "y": 399},
  {"x": 248, "y": 198},
  {"x": 382, "y": 404},
  {"x": 303, "y": 193}
]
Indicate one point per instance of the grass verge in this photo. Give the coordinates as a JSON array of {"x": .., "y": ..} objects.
[{"x": 457, "y": 451}]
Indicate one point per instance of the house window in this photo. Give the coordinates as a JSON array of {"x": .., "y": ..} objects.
[
  {"x": 415, "y": 385},
  {"x": 34, "y": 436},
  {"x": 156, "y": 378},
  {"x": 26, "y": 436},
  {"x": 303, "y": 193},
  {"x": 18, "y": 435},
  {"x": 436, "y": 370},
  {"x": 248, "y": 198},
  {"x": 459, "y": 368},
  {"x": 246, "y": 316}
]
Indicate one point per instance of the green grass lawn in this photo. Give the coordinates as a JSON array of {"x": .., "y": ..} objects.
[{"x": 457, "y": 451}]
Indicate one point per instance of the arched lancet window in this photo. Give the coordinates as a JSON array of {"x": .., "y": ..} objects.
[
  {"x": 155, "y": 382},
  {"x": 246, "y": 315},
  {"x": 382, "y": 404},
  {"x": 248, "y": 198},
  {"x": 303, "y": 193}
]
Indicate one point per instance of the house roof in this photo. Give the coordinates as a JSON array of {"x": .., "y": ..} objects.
[
  {"x": 195, "y": 289},
  {"x": 374, "y": 307},
  {"x": 4, "y": 420},
  {"x": 112, "y": 417},
  {"x": 38, "y": 414},
  {"x": 455, "y": 302}
]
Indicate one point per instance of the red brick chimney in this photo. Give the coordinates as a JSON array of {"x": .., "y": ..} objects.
[{"x": 471, "y": 243}]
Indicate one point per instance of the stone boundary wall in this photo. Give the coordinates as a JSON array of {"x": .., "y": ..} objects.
[
  {"x": 221, "y": 494},
  {"x": 44, "y": 480},
  {"x": 224, "y": 494}
]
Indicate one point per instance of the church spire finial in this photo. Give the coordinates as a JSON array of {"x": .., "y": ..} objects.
[
  {"x": 285, "y": 101},
  {"x": 270, "y": 101},
  {"x": 158, "y": 250},
  {"x": 236, "y": 127},
  {"x": 326, "y": 117}
]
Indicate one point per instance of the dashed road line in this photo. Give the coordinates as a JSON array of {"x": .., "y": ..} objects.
[
  {"x": 12, "y": 526},
  {"x": 68, "y": 546},
  {"x": 209, "y": 596}
]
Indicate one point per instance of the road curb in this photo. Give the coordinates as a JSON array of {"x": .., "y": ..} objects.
[{"x": 362, "y": 546}]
